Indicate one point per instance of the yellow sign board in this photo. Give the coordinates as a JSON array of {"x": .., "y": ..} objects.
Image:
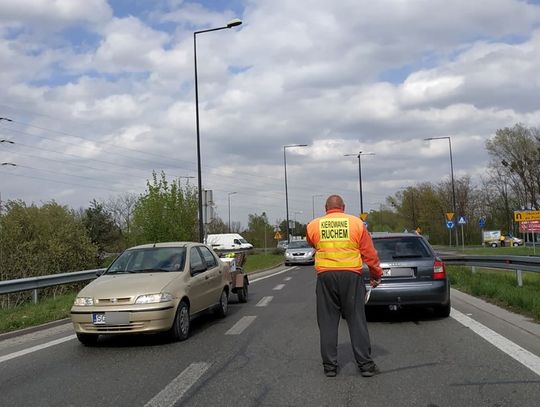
[
  {"x": 364, "y": 216},
  {"x": 522, "y": 216},
  {"x": 449, "y": 215},
  {"x": 277, "y": 236}
]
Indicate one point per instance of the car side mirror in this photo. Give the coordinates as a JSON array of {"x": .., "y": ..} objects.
[{"x": 100, "y": 272}]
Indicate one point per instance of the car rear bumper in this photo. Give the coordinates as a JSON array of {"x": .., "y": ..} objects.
[
  {"x": 414, "y": 293},
  {"x": 140, "y": 321}
]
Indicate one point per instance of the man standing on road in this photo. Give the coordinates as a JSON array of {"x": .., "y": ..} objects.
[{"x": 342, "y": 243}]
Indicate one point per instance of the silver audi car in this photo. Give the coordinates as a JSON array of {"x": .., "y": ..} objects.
[{"x": 413, "y": 274}]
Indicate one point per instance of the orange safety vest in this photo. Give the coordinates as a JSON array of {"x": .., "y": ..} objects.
[{"x": 336, "y": 237}]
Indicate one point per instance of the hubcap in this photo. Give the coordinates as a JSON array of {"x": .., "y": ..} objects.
[
  {"x": 184, "y": 320},
  {"x": 224, "y": 301}
]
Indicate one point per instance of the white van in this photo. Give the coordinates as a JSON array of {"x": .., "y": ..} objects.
[{"x": 228, "y": 241}]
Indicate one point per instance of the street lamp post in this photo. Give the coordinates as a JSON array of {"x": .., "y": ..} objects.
[
  {"x": 230, "y": 24},
  {"x": 285, "y": 147},
  {"x": 295, "y": 213},
  {"x": 313, "y": 203},
  {"x": 360, "y": 153},
  {"x": 229, "y": 198},
  {"x": 452, "y": 176}
]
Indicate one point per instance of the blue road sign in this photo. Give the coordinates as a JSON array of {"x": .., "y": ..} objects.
[
  {"x": 450, "y": 224},
  {"x": 462, "y": 220},
  {"x": 482, "y": 222},
  {"x": 366, "y": 223}
]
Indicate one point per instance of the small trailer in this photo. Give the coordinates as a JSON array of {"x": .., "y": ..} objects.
[{"x": 239, "y": 280}]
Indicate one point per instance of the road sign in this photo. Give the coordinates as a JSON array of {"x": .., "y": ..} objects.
[
  {"x": 482, "y": 223},
  {"x": 366, "y": 224},
  {"x": 532, "y": 226},
  {"x": 363, "y": 216},
  {"x": 277, "y": 236},
  {"x": 450, "y": 224},
  {"x": 449, "y": 215},
  {"x": 522, "y": 216},
  {"x": 462, "y": 220}
]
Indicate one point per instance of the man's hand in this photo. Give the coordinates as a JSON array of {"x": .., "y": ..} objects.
[{"x": 374, "y": 282}]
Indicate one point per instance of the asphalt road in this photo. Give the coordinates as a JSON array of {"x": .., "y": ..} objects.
[{"x": 266, "y": 353}]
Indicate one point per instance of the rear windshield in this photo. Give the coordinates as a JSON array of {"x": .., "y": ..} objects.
[
  {"x": 153, "y": 259},
  {"x": 392, "y": 248}
]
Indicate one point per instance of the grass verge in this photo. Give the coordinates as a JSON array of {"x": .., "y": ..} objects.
[
  {"x": 505, "y": 251},
  {"x": 27, "y": 315},
  {"x": 262, "y": 261},
  {"x": 500, "y": 288}
]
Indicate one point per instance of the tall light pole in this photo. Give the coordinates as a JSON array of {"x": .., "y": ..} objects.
[
  {"x": 360, "y": 154},
  {"x": 229, "y": 198},
  {"x": 313, "y": 203},
  {"x": 295, "y": 213},
  {"x": 230, "y": 24},
  {"x": 285, "y": 147},
  {"x": 451, "y": 174}
]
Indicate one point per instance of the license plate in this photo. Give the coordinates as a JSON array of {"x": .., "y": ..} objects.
[
  {"x": 110, "y": 318},
  {"x": 398, "y": 272}
]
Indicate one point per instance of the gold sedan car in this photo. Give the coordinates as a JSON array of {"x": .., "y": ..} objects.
[{"x": 152, "y": 288}]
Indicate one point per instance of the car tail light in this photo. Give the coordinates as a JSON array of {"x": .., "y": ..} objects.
[{"x": 439, "y": 273}]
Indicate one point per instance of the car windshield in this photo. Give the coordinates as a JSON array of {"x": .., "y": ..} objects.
[
  {"x": 154, "y": 259},
  {"x": 391, "y": 248},
  {"x": 298, "y": 244}
]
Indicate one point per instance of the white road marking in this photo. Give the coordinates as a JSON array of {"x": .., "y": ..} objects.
[
  {"x": 241, "y": 325},
  {"x": 174, "y": 391},
  {"x": 287, "y": 278},
  {"x": 279, "y": 287},
  {"x": 264, "y": 301},
  {"x": 271, "y": 275},
  {"x": 36, "y": 348},
  {"x": 523, "y": 356}
]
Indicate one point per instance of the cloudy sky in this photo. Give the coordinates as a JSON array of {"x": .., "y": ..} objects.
[{"x": 100, "y": 93}]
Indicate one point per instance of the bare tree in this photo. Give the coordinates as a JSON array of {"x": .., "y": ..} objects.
[{"x": 121, "y": 207}]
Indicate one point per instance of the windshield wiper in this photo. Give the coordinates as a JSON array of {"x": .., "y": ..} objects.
[
  {"x": 119, "y": 272},
  {"x": 149, "y": 270}
]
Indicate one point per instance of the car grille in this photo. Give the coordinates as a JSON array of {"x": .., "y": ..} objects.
[
  {"x": 113, "y": 328},
  {"x": 113, "y": 301}
]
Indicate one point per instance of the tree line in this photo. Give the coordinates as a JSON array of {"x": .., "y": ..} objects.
[{"x": 52, "y": 238}]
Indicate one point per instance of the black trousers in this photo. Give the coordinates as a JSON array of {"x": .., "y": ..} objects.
[{"x": 342, "y": 293}]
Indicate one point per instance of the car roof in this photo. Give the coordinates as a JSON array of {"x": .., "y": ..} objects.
[
  {"x": 380, "y": 235},
  {"x": 165, "y": 244}
]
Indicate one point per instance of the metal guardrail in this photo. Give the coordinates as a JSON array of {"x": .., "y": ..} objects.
[
  {"x": 35, "y": 283},
  {"x": 516, "y": 263}
]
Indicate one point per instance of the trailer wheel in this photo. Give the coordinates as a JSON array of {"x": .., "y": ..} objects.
[{"x": 243, "y": 293}]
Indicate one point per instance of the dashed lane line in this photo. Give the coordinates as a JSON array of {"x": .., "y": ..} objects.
[
  {"x": 271, "y": 275},
  {"x": 287, "y": 278},
  {"x": 279, "y": 287},
  {"x": 523, "y": 356},
  {"x": 36, "y": 348},
  {"x": 174, "y": 391},
  {"x": 241, "y": 325},
  {"x": 264, "y": 301}
]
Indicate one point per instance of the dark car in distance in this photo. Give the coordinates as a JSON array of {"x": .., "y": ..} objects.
[{"x": 413, "y": 275}]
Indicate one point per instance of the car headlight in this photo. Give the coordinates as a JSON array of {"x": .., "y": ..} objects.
[
  {"x": 83, "y": 301},
  {"x": 153, "y": 298},
  {"x": 288, "y": 254}
]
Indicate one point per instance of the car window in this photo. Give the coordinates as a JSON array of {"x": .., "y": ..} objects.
[
  {"x": 208, "y": 257},
  {"x": 401, "y": 248},
  {"x": 298, "y": 244},
  {"x": 149, "y": 259},
  {"x": 236, "y": 241},
  {"x": 196, "y": 262}
]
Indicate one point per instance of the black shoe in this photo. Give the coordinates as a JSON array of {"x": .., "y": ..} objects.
[
  {"x": 330, "y": 373},
  {"x": 369, "y": 370}
]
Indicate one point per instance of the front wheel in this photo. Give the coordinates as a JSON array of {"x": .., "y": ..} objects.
[
  {"x": 515, "y": 244},
  {"x": 181, "y": 324},
  {"x": 87, "y": 339}
]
